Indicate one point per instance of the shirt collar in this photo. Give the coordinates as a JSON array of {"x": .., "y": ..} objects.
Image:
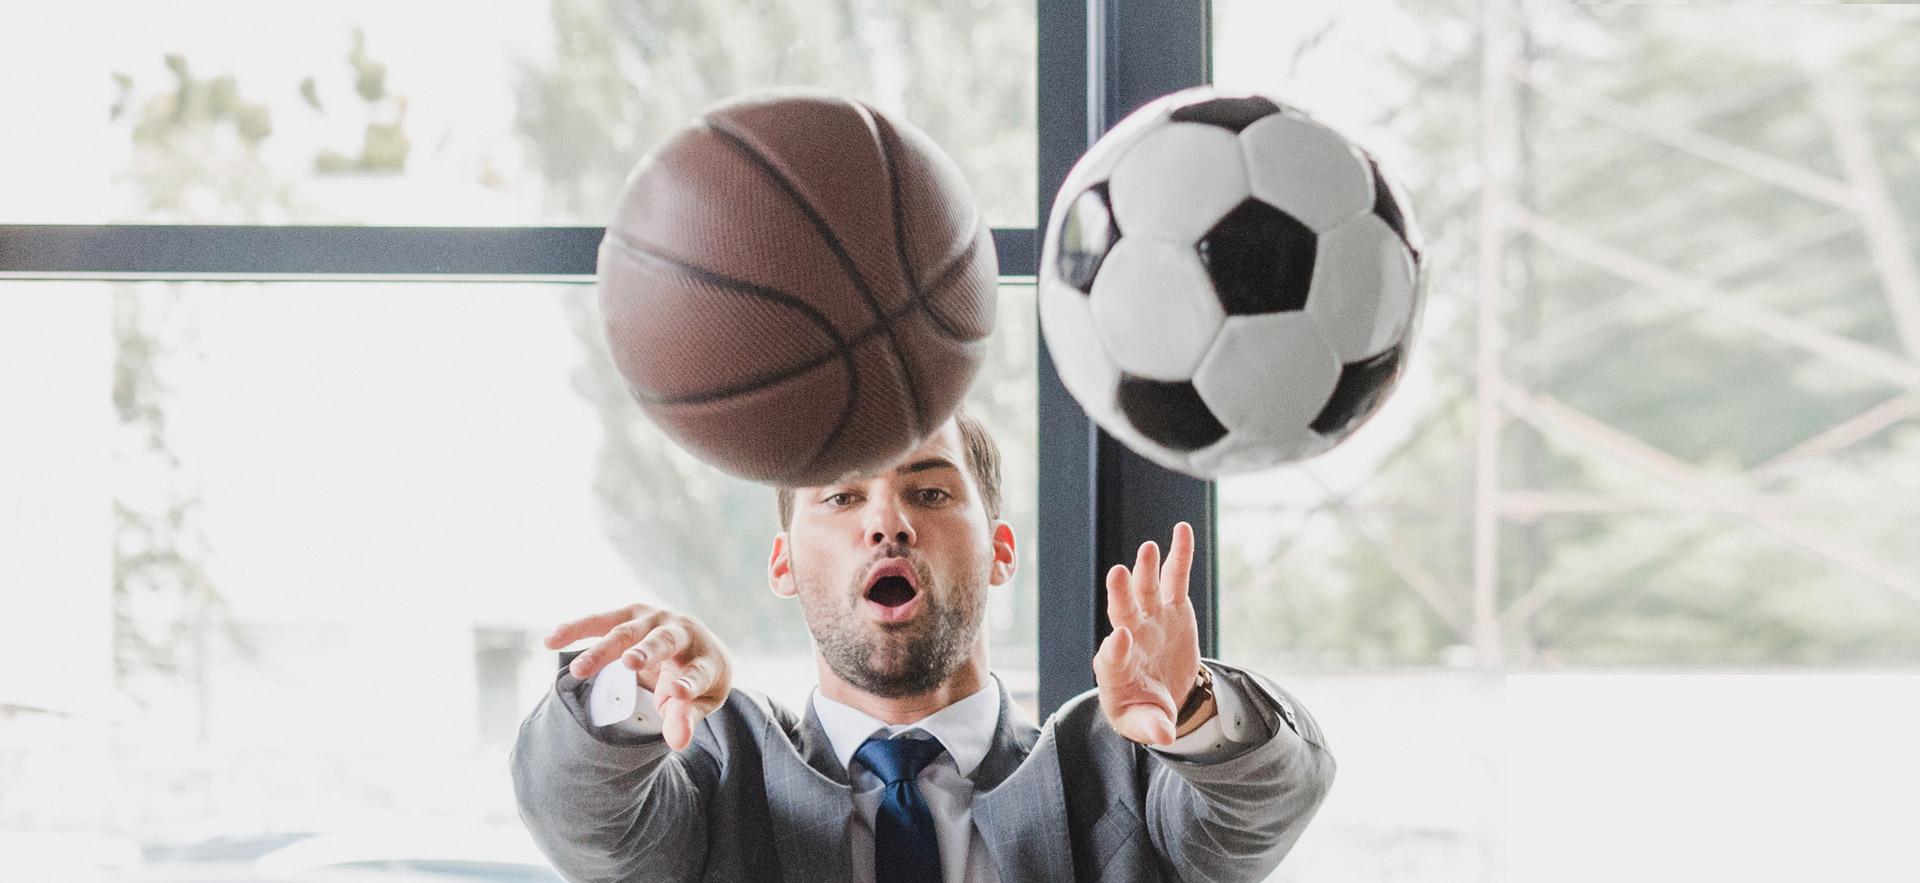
[{"x": 964, "y": 728}]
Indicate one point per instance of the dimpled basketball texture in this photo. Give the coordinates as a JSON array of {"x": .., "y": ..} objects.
[{"x": 798, "y": 288}]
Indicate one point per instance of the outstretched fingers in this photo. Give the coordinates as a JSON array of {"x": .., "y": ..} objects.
[
  {"x": 676, "y": 719},
  {"x": 618, "y": 639},
  {"x": 1146, "y": 578},
  {"x": 666, "y": 641},
  {"x": 678, "y": 660},
  {"x": 1122, "y": 609},
  {"x": 1173, "y": 577},
  {"x": 592, "y": 626}
]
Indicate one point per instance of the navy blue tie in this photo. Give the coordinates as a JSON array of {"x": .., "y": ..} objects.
[{"x": 904, "y": 847}]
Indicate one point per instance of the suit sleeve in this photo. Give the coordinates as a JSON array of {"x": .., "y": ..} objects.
[
  {"x": 1232, "y": 812},
  {"x": 609, "y": 803}
]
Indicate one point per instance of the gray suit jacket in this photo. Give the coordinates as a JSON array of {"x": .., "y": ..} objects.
[{"x": 760, "y": 796}]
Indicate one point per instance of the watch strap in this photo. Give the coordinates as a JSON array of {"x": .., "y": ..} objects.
[{"x": 1197, "y": 697}]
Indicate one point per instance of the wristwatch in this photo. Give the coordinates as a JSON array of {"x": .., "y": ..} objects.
[{"x": 1197, "y": 697}]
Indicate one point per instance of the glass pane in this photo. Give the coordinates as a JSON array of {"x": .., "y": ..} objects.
[
  {"x": 276, "y": 561},
  {"x": 1706, "y": 328},
  {"x": 444, "y": 113}
]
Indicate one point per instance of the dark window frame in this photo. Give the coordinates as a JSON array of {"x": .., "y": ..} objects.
[{"x": 1100, "y": 60}]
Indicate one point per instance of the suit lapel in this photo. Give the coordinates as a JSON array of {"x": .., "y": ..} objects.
[
  {"x": 809, "y": 800},
  {"x": 1019, "y": 803}
]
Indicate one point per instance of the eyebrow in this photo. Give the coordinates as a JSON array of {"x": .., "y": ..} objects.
[{"x": 924, "y": 465}]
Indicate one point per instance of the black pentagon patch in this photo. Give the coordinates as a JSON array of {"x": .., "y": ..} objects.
[
  {"x": 1171, "y": 414},
  {"x": 1087, "y": 234},
  {"x": 1232, "y": 114},
  {"x": 1388, "y": 209},
  {"x": 1260, "y": 258},
  {"x": 1359, "y": 392}
]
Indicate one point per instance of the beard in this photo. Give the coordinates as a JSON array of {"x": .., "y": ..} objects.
[{"x": 894, "y": 661}]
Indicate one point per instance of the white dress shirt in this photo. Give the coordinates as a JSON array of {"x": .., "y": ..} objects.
[{"x": 966, "y": 729}]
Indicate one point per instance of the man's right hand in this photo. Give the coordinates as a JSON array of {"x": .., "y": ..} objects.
[{"x": 676, "y": 657}]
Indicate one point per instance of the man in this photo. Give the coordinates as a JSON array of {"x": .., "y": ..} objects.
[{"x": 909, "y": 764}]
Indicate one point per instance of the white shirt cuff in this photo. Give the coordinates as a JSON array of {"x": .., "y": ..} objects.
[
  {"x": 1227, "y": 727},
  {"x": 615, "y": 701}
]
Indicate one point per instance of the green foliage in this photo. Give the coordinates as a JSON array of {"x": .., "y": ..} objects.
[
  {"x": 195, "y": 146},
  {"x": 197, "y": 153},
  {"x": 198, "y": 144},
  {"x": 369, "y": 76},
  {"x": 385, "y": 145},
  {"x": 166, "y": 608},
  {"x": 625, "y": 75}
]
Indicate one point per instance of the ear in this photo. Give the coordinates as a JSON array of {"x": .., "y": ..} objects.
[
  {"x": 1004, "y": 559},
  {"x": 780, "y": 568}
]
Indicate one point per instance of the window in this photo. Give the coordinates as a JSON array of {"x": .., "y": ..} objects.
[
  {"x": 280, "y": 556},
  {"x": 277, "y": 555},
  {"x": 443, "y": 113},
  {"x": 1647, "y": 484}
]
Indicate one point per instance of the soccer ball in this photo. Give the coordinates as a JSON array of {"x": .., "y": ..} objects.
[{"x": 1227, "y": 284}]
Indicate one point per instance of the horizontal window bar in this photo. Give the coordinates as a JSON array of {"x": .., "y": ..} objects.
[{"x": 190, "y": 252}]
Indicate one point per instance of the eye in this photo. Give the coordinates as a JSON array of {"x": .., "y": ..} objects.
[
  {"x": 835, "y": 501},
  {"x": 932, "y": 495}
]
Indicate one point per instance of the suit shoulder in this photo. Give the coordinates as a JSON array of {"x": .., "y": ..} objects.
[
  {"x": 1080, "y": 721},
  {"x": 757, "y": 707},
  {"x": 738, "y": 723},
  {"x": 751, "y": 709},
  {"x": 1077, "y": 712}
]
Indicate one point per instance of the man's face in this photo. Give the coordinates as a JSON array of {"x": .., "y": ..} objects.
[{"x": 892, "y": 569}]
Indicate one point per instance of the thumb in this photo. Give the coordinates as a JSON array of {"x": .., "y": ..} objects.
[
  {"x": 1115, "y": 650},
  {"x": 674, "y": 726},
  {"x": 1146, "y": 724}
]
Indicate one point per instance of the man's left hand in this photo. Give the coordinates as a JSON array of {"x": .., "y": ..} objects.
[{"x": 1147, "y": 665}]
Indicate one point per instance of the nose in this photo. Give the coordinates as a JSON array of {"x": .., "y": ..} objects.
[{"x": 887, "y": 523}]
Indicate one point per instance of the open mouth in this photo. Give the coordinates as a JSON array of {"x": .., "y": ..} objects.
[{"x": 891, "y": 591}]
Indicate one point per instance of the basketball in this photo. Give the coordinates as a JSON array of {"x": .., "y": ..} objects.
[{"x": 797, "y": 288}]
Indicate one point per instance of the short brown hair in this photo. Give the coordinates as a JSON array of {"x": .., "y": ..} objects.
[{"x": 983, "y": 460}]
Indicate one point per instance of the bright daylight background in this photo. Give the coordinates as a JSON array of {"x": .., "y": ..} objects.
[{"x": 1620, "y": 585}]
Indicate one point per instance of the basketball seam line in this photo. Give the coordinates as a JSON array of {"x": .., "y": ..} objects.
[
  {"x": 843, "y": 346},
  {"x": 737, "y": 285},
  {"x": 940, "y": 281},
  {"x": 899, "y": 241},
  {"x": 845, "y": 260},
  {"x": 872, "y": 120},
  {"x": 846, "y": 411}
]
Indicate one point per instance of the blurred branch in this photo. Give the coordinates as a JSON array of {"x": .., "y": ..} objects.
[
  {"x": 1692, "y": 291},
  {"x": 1777, "y": 172},
  {"x": 1441, "y": 599},
  {"x": 1608, "y": 313},
  {"x": 1880, "y": 218},
  {"x": 1602, "y": 160},
  {"x": 1606, "y": 575},
  {"x": 1595, "y": 435},
  {"x": 1845, "y": 435}
]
